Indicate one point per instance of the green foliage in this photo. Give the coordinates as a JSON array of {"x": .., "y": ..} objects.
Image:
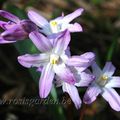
[{"x": 97, "y": 1}]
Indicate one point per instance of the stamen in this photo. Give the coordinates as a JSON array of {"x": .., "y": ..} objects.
[
  {"x": 54, "y": 59},
  {"x": 53, "y": 23},
  {"x": 102, "y": 80},
  {"x": 104, "y": 77},
  {"x": 54, "y": 26}
]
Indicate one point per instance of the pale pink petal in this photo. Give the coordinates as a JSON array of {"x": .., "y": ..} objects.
[
  {"x": 46, "y": 79},
  {"x": 73, "y": 92},
  {"x": 112, "y": 97}
]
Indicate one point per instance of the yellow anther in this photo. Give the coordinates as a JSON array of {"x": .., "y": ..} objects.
[
  {"x": 53, "y": 23},
  {"x": 104, "y": 77},
  {"x": 103, "y": 80},
  {"x": 54, "y": 59}
]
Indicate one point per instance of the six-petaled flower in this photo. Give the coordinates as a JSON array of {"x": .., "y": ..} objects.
[
  {"x": 54, "y": 60},
  {"x": 56, "y": 25},
  {"x": 104, "y": 84}
]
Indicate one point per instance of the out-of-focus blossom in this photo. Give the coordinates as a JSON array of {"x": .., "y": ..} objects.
[
  {"x": 104, "y": 84},
  {"x": 15, "y": 29},
  {"x": 56, "y": 25},
  {"x": 53, "y": 60}
]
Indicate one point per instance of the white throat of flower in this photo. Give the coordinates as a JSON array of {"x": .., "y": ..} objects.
[
  {"x": 55, "y": 27},
  {"x": 103, "y": 79},
  {"x": 54, "y": 59}
]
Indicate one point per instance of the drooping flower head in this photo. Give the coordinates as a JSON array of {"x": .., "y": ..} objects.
[
  {"x": 53, "y": 60},
  {"x": 15, "y": 29},
  {"x": 104, "y": 84},
  {"x": 56, "y": 25}
]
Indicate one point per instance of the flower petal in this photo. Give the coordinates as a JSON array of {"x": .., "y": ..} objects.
[
  {"x": 62, "y": 42},
  {"x": 33, "y": 60},
  {"x": 37, "y": 18},
  {"x": 9, "y": 16},
  {"x": 113, "y": 82},
  {"x": 84, "y": 60},
  {"x": 91, "y": 94},
  {"x": 85, "y": 79},
  {"x": 73, "y": 92},
  {"x": 67, "y": 51},
  {"x": 109, "y": 69},
  {"x": 7, "y": 25},
  {"x": 77, "y": 61},
  {"x": 58, "y": 18},
  {"x": 39, "y": 69},
  {"x": 17, "y": 31},
  {"x": 46, "y": 79},
  {"x": 81, "y": 69},
  {"x": 112, "y": 97},
  {"x": 40, "y": 41},
  {"x": 53, "y": 37},
  {"x": 75, "y": 27},
  {"x": 96, "y": 70},
  {"x": 88, "y": 55},
  {"x": 3, "y": 24},
  {"x": 14, "y": 33},
  {"x": 28, "y": 26},
  {"x": 64, "y": 73},
  {"x": 3, "y": 41},
  {"x": 68, "y": 18}
]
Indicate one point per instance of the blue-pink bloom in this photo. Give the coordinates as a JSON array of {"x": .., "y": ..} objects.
[
  {"x": 104, "y": 84},
  {"x": 58, "y": 24},
  {"x": 53, "y": 60},
  {"x": 15, "y": 29}
]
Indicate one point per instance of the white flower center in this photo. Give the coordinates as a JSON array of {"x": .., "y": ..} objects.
[
  {"x": 103, "y": 80},
  {"x": 54, "y": 59},
  {"x": 55, "y": 27}
]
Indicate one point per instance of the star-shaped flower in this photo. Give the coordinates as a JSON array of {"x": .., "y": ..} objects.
[
  {"x": 56, "y": 25},
  {"x": 104, "y": 84},
  {"x": 53, "y": 60}
]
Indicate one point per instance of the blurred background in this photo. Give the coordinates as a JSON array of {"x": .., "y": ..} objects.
[{"x": 101, "y": 24}]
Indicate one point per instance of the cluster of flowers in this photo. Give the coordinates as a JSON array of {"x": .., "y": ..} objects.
[{"x": 55, "y": 62}]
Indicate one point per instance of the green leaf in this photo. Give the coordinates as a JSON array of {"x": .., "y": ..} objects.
[
  {"x": 97, "y": 1},
  {"x": 111, "y": 50}
]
